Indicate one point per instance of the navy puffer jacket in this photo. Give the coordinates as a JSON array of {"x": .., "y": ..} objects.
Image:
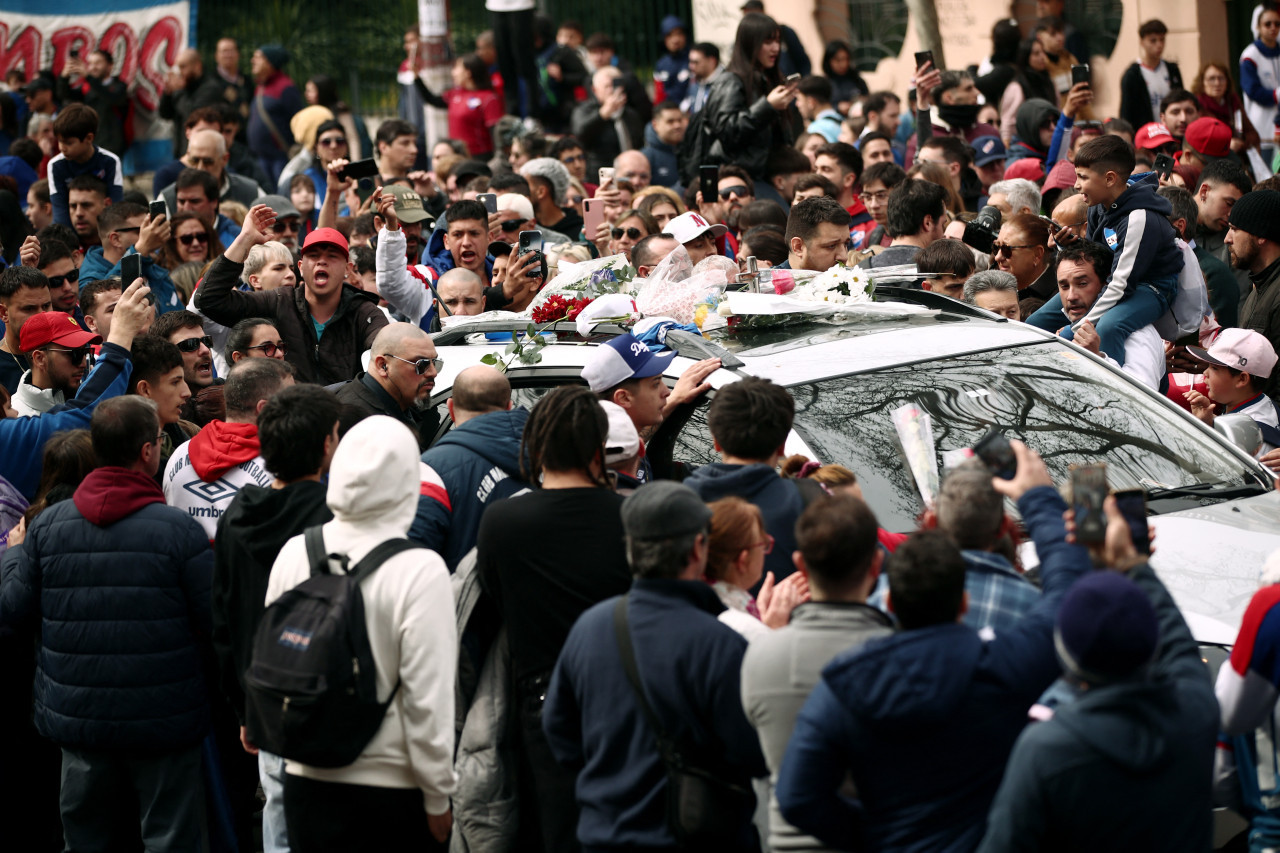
[{"x": 121, "y": 585}]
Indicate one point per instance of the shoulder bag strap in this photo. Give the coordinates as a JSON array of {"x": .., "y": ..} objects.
[
  {"x": 271, "y": 125},
  {"x": 623, "y": 631}
]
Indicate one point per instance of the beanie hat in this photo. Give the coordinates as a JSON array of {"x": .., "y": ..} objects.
[
  {"x": 1107, "y": 628},
  {"x": 1258, "y": 213},
  {"x": 306, "y": 123},
  {"x": 275, "y": 54}
]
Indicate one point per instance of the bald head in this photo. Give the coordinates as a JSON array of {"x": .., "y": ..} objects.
[
  {"x": 207, "y": 151},
  {"x": 190, "y": 65},
  {"x": 634, "y": 167},
  {"x": 461, "y": 291},
  {"x": 602, "y": 81},
  {"x": 477, "y": 391},
  {"x": 1073, "y": 212},
  {"x": 393, "y": 337}
]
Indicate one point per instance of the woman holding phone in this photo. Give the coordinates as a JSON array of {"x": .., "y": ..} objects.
[{"x": 751, "y": 110}]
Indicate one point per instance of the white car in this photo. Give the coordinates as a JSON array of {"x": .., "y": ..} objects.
[{"x": 1214, "y": 508}]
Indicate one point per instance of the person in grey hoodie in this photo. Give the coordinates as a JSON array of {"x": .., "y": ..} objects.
[
  {"x": 840, "y": 554},
  {"x": 1128, "y": 765}
]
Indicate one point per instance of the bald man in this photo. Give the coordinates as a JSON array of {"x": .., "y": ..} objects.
[
  {"x": 402, "y": 372},
  {"x": 476, "y": 463},
  {"x": 207, "y": 151},
  {"x": 633, "y": 166},
  {"x": 459, "y": 292},
  {"x": 186, "y": 89},
  {"x": 1071, "y": 213}
]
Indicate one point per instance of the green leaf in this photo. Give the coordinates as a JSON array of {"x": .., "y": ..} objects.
[
  {"x": 490, "y": 358},
  {"x": 512, "y": 348},
  {"x": 515, "y": 339},
  {"x": 537, "y": 358},
  {"x": 530, "y": 330}
]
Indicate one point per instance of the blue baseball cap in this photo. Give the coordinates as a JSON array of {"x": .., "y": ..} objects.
[
  {"x": 625, "y": 357},
  {"x": 987, "y": 150}
]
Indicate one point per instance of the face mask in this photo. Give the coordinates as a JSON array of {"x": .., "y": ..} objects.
[{"x": 959, "y": 115}]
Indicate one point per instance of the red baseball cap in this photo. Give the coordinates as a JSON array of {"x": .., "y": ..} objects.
[
  {"x": 1028, "y": 167},
  {"x": 1061, "y": 176},
  {"x": 1209, "y": 137},
  {"x": 54, "y": 327},
  {"x": 1152, "y": 135},
  {"x": 326, "y": 237}
]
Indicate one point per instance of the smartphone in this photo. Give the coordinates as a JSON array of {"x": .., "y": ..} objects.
[
  {"x": 1132, "y": 504},
  {"x": 617, "y": 84},
  {"x": 490, "y": 202},
  {"x": 157, "y": 209},
  {"x": 923, "y": 56},
  {"x": 997, "y": 454},
  {"x": 366, "y": 168},
  {"x": 607, "y": 173},
  {"x": 793, "y": 79},
  {"x": 1079, "y": 74},
  {"x": 1164, "y": 165},
  {"x": 1088, "y": 491},
  {"x": 709, "y": 183},
  {"x": 1049, "y": 221},
  {"x": 74, "y": 53},
  {"x": 531, "y": 241},
  {"x": 592, "y": 216}
]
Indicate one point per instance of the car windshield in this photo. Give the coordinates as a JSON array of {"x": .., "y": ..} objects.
[{"x": 1066, "y": 407}]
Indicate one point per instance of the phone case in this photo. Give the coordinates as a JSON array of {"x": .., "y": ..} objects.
[{"x": 1088, "y": 491}]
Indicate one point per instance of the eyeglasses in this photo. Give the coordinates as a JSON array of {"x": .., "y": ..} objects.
[
  {"x": 269, "y": 349},
  {"x": 422, "y": 365},
  {"x": 56, "y": 281},
  {"x": 737, "y": 189},
  {"x": 633, "y": 233},
  {"x": 193, "y": 344},
  {"x": 188, "y": 239},
  {"x": 880, "y": 196},
  {"x": 75, "y": 356},
  {"x": 159, "y": 439},
  {"x": 513, "y": 224},
  {"x": 197, "y": 162},
  {"x": 1007, "y": 250},
  {"x": 283, "y": 225},
  {"x": 332, "y": 140},
  {"x": 767, "y": 544}
]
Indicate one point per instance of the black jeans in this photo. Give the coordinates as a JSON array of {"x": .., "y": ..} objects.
[
  {"x": 548, "y": 802},
  {"x": 333, "y": 817},
  {"x": 513, "y": 40}
]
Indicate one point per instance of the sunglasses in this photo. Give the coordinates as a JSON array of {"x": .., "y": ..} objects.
[
  {"x": 738, "y": 189},
  {"x": 285, "y": 225},
  {"x": 332, "y": 140},
  {"x": 512, "y": 224},
  {"x": 56, "y": 281},
  {"x": 188, "y": 239},
  {"x": 193, "y": 344},
  {"x": 128, "y": 230},
  {"x": 1006, "y": 250},
  {"x": 422, "y": 365},
  {"x": 633, "y": 233},
  {"x": 75, "y": 356},
  {"x": 197, "y": 162},
  {"x": 270, "y": 349}
]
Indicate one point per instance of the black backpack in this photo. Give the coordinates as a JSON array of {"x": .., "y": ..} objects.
[{"x": 311, "y": 688}]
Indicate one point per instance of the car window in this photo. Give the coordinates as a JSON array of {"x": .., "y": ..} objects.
[
  {"x": 693, "y": 445},
  {"x": 1066, "y": 407}
]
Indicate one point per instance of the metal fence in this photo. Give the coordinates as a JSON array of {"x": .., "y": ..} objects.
[{"x": 359, "y": 45}]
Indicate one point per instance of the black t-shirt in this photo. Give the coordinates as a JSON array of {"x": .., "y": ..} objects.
[
  {"x": 11, "y": 369},
  {"x": 545, "y": 557}
]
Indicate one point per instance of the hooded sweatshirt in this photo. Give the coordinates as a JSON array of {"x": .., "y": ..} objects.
[
  {"x": 1136, "y": 228},
  {"x": 1032, "y": 115},
  {"x": 1146, "y": 742},
  {"x": 373, "y": 492},
  {"x": 478, "y": 463},
  {"x": 924, "y": 720},
  {"x": 204, "y": 474},
  {"x": 120, "y": 583},
  {"x": 257, "y": 523},
  {"x": 779, "y": 501}
]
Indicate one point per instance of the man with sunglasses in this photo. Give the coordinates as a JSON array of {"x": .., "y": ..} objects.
[
  {"x": 125, "y": 229},
  {"x": 57, "y": 348},
  {"x": 402, "y": 373},
  {"x": 325, "y": 323},
  {"x": 185, "y": 330}
]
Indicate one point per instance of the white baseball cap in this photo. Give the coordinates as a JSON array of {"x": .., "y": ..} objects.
[
  {"x": 1239, "y": 349},
  {"x": 622, "y": 358},
  {"x": 517, "y": 204},
  {"x": 623, "y": 442},
  {"x": 688, "y": 227}
]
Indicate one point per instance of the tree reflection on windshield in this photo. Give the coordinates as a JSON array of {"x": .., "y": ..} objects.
[{"x": 1067, "y": 408}]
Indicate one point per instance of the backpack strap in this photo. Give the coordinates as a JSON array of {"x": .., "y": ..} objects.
[
  {"x": 316, "y": 556},
  {"x": 378, "y": 556}
]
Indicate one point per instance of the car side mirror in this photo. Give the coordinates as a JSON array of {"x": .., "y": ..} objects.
[{"x": 1241, "y": 430}]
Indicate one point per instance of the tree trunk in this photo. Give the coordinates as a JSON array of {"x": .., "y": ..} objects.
[{"x": 925, "y": 14}]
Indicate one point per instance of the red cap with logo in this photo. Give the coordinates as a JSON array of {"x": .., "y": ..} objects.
[
  {"x": 1209, "y": 137},
  {"x": 326, "y": 237},
  {"x": 54, "y": 327},
  {"x": 1152, "y": 135}
]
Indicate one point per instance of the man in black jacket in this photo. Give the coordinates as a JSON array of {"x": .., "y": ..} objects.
[
  {"x": 298, "y": 433},
  {"x": 402, "y": 372},
  {"x": 606, "y": 123},
  {"x": 186, "y": 89},
  {"x": 325, "y": 323}
]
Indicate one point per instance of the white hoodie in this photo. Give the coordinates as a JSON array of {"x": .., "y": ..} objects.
[{"x": 373, "y": 492}]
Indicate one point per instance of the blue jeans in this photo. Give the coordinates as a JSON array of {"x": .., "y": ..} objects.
[
  {"x": 271, "y": 769},
  {"x": 1140, "y": 307}
]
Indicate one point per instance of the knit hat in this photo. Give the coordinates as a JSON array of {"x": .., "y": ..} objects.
[
  {"x": 1107, "y": 628},
  {"x": 275, "y": 54},
  {"x": 672, "y": 22},
  {"x": 1209, "y": 137},
  {"x": 306, "y": 122},
  {"x": 1258, "y": 213}
]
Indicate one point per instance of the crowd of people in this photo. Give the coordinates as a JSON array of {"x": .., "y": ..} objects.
[{"x": 216, "y": 384}]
